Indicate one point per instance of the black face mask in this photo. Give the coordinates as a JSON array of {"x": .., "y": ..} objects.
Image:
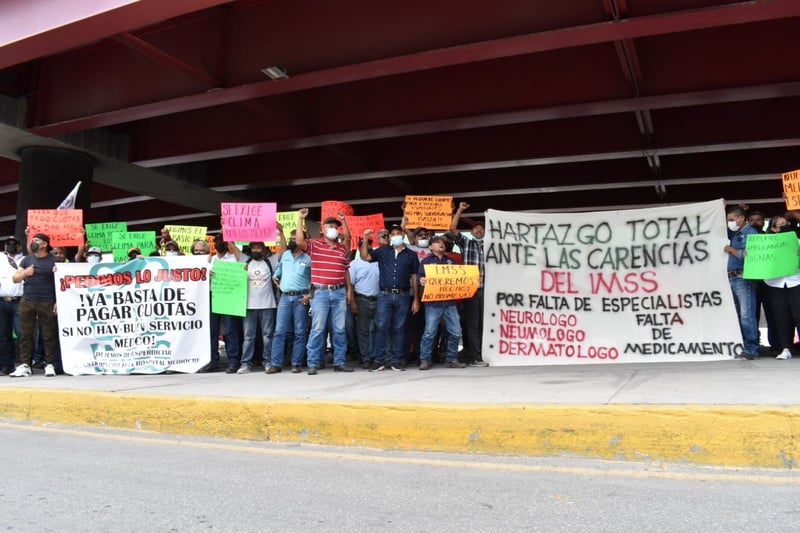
[
  {"x": 292, "y": 246},
  {"x": 256, "y": 256},
  {"x": 34, "y": 247},
  {"x": 786, "y": 227},
  {"x": 132, "y": 255},
  {"x": 11, "y": 248}
]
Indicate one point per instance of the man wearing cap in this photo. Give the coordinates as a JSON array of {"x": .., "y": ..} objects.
[
  {"x": 330, "y": 282},
  {"x": 398, "y": 268},
  {"x": 10, "y": 294},
  {"x": 436, "y": 310},
  {"x": 94, "y": 255},
  {"x": 262, "y": 300},
  {"x": 134, "y": 253},
  {"x": 171, "y": 248},
  {"x": 38, "y": 302},
  {"x": 472, "y": 251}
]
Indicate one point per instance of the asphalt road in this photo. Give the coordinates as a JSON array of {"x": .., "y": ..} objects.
[{"x": 73, "y": 479}]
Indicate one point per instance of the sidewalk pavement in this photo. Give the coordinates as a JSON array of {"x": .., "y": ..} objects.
[{"x": 730, "y": 413}]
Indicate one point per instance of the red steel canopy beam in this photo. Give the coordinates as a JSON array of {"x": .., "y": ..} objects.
[
  {"x": 30, "y": 29},
  {"x": 624, "y": 105},
  {"x": 739, "y": 13}
]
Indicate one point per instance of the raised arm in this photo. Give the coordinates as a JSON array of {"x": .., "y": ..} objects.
[
  {"x": 299, "y": 238},
  {"x": 462, "y": 206},
  {"x": 347, "y": 238}
]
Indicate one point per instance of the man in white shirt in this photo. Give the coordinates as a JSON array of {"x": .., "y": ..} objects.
[{"x": 10, "y": 294}]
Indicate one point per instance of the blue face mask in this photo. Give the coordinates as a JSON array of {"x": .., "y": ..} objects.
[{"x": 479, "y": 239}]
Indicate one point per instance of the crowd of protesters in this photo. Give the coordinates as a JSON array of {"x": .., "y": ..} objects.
[{"x": 311, "y": 302}]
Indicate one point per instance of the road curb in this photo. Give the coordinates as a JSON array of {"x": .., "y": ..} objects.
[{"x": 723, "y": 435}]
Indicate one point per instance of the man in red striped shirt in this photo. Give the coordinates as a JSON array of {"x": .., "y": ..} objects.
[{"x": 331, "y": 288}]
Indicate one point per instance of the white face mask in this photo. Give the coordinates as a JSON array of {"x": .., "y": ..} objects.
[
  {"x": 332, "y": 233},
  {"x": 93, "y": 258},
  {"x": 396, "y": 240},
  {"x": 172, "y": 252},
  {"x": 422, "y": 243},
  {"x": 733, "y": 225}
]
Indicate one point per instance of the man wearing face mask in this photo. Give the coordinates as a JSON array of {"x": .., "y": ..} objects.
[
  {"x": 399, "y": 292},
  {"x": 332, "y": 291},
  {"x": 94, "y": 255},
  {"x": 472, "y": 252},
  {"x": 172, "y": 249},
  {"x": 262, "y": 300},
  {"x": 38, "y": 302},
  {"x": 744, "y": 290},
  {"x": 293, "y": 275},
  {"x": 10, "y": 294}
]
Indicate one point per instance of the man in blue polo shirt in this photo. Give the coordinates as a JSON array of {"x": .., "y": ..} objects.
[
  {"x": 294, "y": 275},
  {"x": 436, "y": 310},
  {"x": 398, "y": 291},
  {"x": 744, "y": 290}
]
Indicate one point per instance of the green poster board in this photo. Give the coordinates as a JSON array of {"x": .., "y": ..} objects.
[
  {"x": 771, "y": 255},
  {"x": 228, "y": 288},
  {"x": 122, "y": 242},
  {"x": 102, "y": 234}
]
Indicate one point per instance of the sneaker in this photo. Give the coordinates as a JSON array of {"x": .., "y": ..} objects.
[
  {"x": 424, "y": 365},
  {"x": 49, "y": 371},
  {"x": 785, "y": 354},
  {"x": 231, "y": 370},
  {"x": 342, "y": 368},
  {"x": 397, "y": 367},
  {"x": 377, "y": 366},
  {"x": 22, "y": 371},
  {"x": 457, "y": 364},
  {"x": 479, "y": 363},
  {"x": 272, "y": 369},
  {"x": 244, "y": 369}
]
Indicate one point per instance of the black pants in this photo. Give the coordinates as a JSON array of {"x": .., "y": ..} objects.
[
  {"x": 29, "y": 312},
  {"x": 473, "y": 326},
  {"x": 785, "y": 305}
]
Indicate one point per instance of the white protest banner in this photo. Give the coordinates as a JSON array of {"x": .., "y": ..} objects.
[
  {"x": 145, "y": 316},
  {"x": 645, "y": 285}
]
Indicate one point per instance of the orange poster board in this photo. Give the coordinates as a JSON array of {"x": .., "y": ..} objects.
[
  {"x": 450, "y": 282},
  {"x": 791, "y": 189},
  {"x": 359, "y": 224},
  {"x": 431, "y": 212},
  {"x": 63, "y": 226},
  {"x": 332, "y": 208}
]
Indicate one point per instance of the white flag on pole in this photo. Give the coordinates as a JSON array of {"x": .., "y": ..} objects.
[{"x": 69, "y": 201}]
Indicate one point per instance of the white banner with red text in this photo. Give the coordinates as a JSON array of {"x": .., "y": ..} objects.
[
  {"x": 643, "y": 285},
  {"x": 144, "y": 316}
]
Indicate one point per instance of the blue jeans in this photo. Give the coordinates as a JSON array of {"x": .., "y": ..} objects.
[
  {"x": 324, "y": 303},
  {"x": 9, "y": 325},
  {"x": 292, "y": 316},
  {"x": 433, "y": 315},
  {"x": 744, "y": 296},
  {"x": 254, "y": 318},
  {"x": 233, "y": 324},
  {"x": 391, "y": 316}
]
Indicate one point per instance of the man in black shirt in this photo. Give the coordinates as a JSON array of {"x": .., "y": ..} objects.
[{"x": 38, "y": 302}]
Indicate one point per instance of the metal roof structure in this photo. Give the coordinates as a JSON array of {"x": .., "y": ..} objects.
[{"x": 512, "y": 104}]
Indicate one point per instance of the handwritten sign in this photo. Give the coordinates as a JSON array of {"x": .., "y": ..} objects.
[
  {"x": 287, "y": 219},
  {"x": 332, "y": 208},
  {"x": 101, "y": 234},
  {"x": 122, "y": 242},
  {"x": 450, "y": 282},
  {"x": 249, "y": 221},
  {"x": 229, "y": 288},
  {"x": 638, "y": 286},
  {"x": 359, "y": 224},
  {"x": 431, "y": 212},
  {"x": 771, "y": 255},
  {"x": 186, "y": 235},
  {"x": 64, "y": 227},
  {"x": 791, "y": 189}
]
